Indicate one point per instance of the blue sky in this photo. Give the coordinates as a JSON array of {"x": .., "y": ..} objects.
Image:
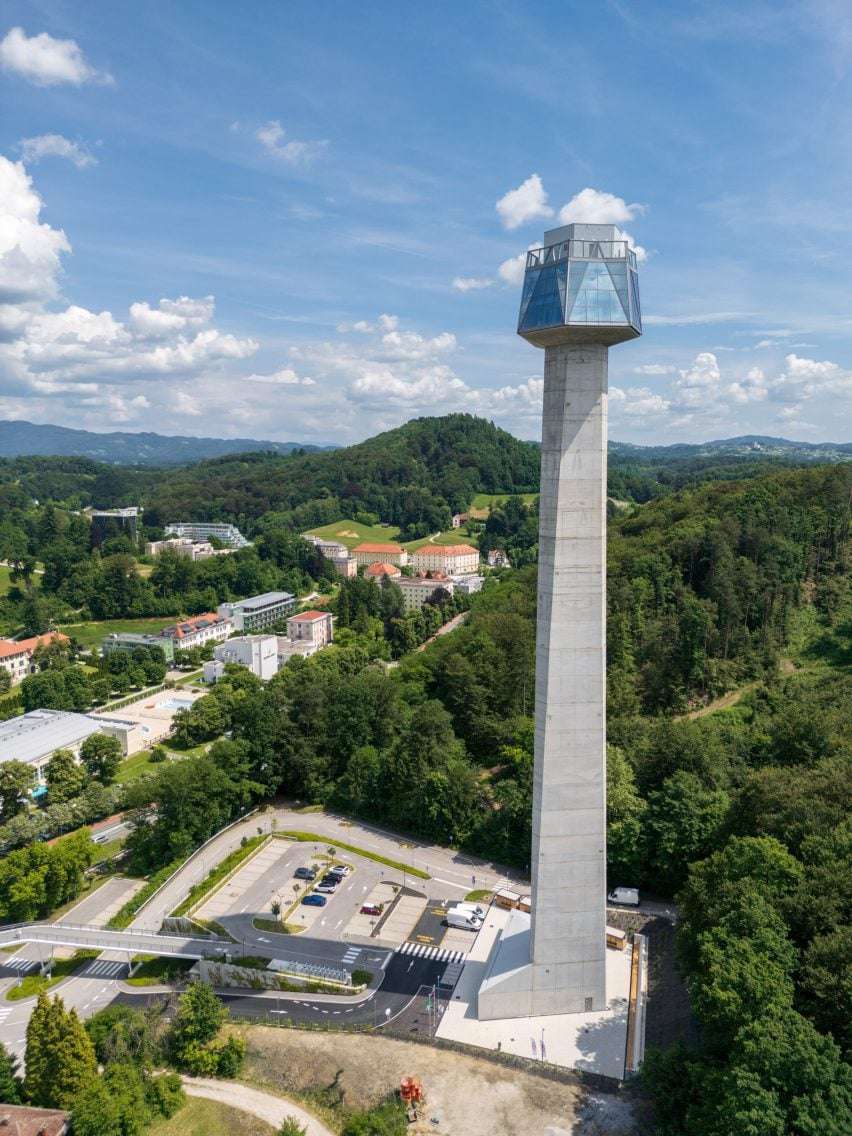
[{"x": 302, "y": 222}]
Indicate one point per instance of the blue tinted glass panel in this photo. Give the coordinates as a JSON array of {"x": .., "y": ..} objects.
[
  {"x": 618, "y": 275},
  {"x": 635, "y": 309},
  {"x": 530, "y": 281},
  {"x": 544, "y": 308},
  {"x": 597, "y": 301}
]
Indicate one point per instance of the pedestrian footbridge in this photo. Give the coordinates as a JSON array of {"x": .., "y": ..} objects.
[{"x": 127, "y": 942}]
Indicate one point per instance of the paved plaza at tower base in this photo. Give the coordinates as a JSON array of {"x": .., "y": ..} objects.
[{"x": 595, "y": 1042}]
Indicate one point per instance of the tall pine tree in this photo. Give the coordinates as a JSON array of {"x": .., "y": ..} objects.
[
  {"x": 10, "y": 1082},
  {"x": 60, "y": 1059}
]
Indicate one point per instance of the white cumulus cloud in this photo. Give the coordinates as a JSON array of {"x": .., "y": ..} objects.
[
  {"x": 272, "y": 137},
  {"x": 526, "y": 203},
  {"x": 596, "y": 207},
  {"x": 472, "y": 283},
  {"x": 55, "y": 146},
  {"x": 286, "y": 377},
  {"x": 46, "y": 61}
]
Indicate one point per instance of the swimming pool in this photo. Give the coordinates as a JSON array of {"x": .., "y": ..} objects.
[{"x": 175, "y": 703}]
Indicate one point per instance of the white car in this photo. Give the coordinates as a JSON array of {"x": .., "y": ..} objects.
[{"x": 629, "y": 897}]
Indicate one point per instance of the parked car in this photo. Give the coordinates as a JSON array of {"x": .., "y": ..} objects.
[
  {"x": 340, "y": 870},
  {"x": 314, "y": 900},
  {"x": 305, "y": 874},
  {"x": 463, "y": 920},
  {"x": 371, "y": 909},
  {"x": 628, "y": 896},
  {"x": 475, "y": 909},
  {"x": 328, "y": 887}
]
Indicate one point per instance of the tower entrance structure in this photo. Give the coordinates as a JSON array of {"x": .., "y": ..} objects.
[{"x": 581, "y": 296}]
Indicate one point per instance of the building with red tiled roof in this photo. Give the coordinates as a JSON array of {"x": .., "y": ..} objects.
[
  {"x": 372, "y": 551},
  {"x": 198, "y": 630},
  {"x": 382, "y": 569},
  {"x": 21, "y": 1120},
  {"x": 454, "y": 559},
  {"x": 17, "y": 657}
]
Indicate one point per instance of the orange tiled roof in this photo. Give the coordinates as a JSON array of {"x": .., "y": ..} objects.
[
  {"x": 377, "y": 546},
  {"x": 8, "y": 647},
  {"x": 309, "y": 616},
  {"x": 382, "y": 569},
  {"x": 449, "y": 549}
]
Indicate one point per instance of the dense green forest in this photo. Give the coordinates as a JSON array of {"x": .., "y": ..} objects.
[{"x": 743, "y": 816}]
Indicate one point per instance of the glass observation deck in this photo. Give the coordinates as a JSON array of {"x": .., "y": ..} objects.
[{"x": 581, "y": 289}]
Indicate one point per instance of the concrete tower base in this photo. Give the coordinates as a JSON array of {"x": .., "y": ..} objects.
[{"x": 554, "y": 962}]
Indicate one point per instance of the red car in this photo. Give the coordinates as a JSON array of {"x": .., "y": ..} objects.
[{"x": 371, "y": 909}]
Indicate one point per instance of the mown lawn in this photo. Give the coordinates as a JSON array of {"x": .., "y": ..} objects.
[
  {"x": 489, "y": 500},
  {"x": 92, "y": 633},
  {"x": 33, "y": 984},
  {"x": 351, "y": 533},
  {"x": 452, "y": 536},
  {"x": 200, "y": 1117}
]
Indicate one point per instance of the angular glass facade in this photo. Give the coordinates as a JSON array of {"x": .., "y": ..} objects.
[{"x": 582, "y": 284}]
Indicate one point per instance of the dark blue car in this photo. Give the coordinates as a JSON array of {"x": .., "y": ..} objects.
[
  {"x": 304, "y": 874},
  {"x": 314, "y": 900}
]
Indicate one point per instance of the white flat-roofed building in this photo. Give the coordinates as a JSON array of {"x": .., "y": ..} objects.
[
  {"x": 373, "y": 552},
  {"x": 328, "y": 548},
  {"x": 418, "y": 590},
  {"x": 198, "y": 630},
  {"x": 203, "y": 530},
  {"x": 467, "y": 585},
  {"x": 345, "y": 565},
  {"x": 258, "y": 653},
  {"x": 454, "y": 559},
  {"x": 192, "y": 549},
  {"x": 33, "y": 738},
  {"x": 258, "y": 612}
]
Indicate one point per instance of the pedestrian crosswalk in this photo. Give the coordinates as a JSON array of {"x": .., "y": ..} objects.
[
  {"x": 22, "y": 965},
  {"x": 351, "y": 955},
  {"x": 436, "y": 954},
  {"x": 5, "y": 1011},
  {"x": 104, "y": 968}
]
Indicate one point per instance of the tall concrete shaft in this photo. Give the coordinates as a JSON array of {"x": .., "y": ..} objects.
[
  {"x": 568, "y": 931},
  {"x": 581, "y": 295}
]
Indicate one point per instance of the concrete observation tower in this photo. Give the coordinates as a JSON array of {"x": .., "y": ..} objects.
[{"x": 581, "y": 296}]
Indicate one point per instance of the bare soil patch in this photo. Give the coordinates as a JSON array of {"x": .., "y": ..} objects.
[{"x": 468, "y": 1096}]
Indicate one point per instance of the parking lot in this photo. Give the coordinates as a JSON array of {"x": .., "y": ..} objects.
[{"x": 404, "y": 913}]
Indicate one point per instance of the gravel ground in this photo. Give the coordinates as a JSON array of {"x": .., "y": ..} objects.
[{"x": 467, "y": 1096}]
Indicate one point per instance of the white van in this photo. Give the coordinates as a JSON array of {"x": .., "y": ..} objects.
[
  {"x": 627, "y": 896},
  {"x": 463, "y": 919},
  {"x": 474, "y": 909}
]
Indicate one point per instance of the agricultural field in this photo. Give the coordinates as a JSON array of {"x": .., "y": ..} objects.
[
  {"x": 351, "y": 533},
  {"x": 91, "y": 633}
]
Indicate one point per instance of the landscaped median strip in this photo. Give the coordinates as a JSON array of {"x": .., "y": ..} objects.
[
  {"x": 124, "y": 916},
  {"x": 315, "y": 838},
  {"x": 33, "y": 984},
  {"x": 219, "y": 874}
]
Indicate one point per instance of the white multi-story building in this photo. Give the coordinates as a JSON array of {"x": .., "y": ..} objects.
[
  {"x": 467, "y": 585},
  {"x": 345, "y": 565},
  {"x": 307, "y": 633},
  {"x": 192, "y": 549},
  {"x": 16, "y": 657},
  {"x": 418, "y": 590},
  {"x": 258, "y": 653},
  {"x": 198, "y": 630},
  {"x": 203, "y": 530},
  {"x": 329, "y": 548},
  {"x": 258, "y": 612},
  {"x": 454, "y": 559},
  {"x": 371, "y": 552}
]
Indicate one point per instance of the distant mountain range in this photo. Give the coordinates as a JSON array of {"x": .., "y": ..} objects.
[
  {"x": 18, "y": 438},
  {"x": 749, "y": 445}
]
